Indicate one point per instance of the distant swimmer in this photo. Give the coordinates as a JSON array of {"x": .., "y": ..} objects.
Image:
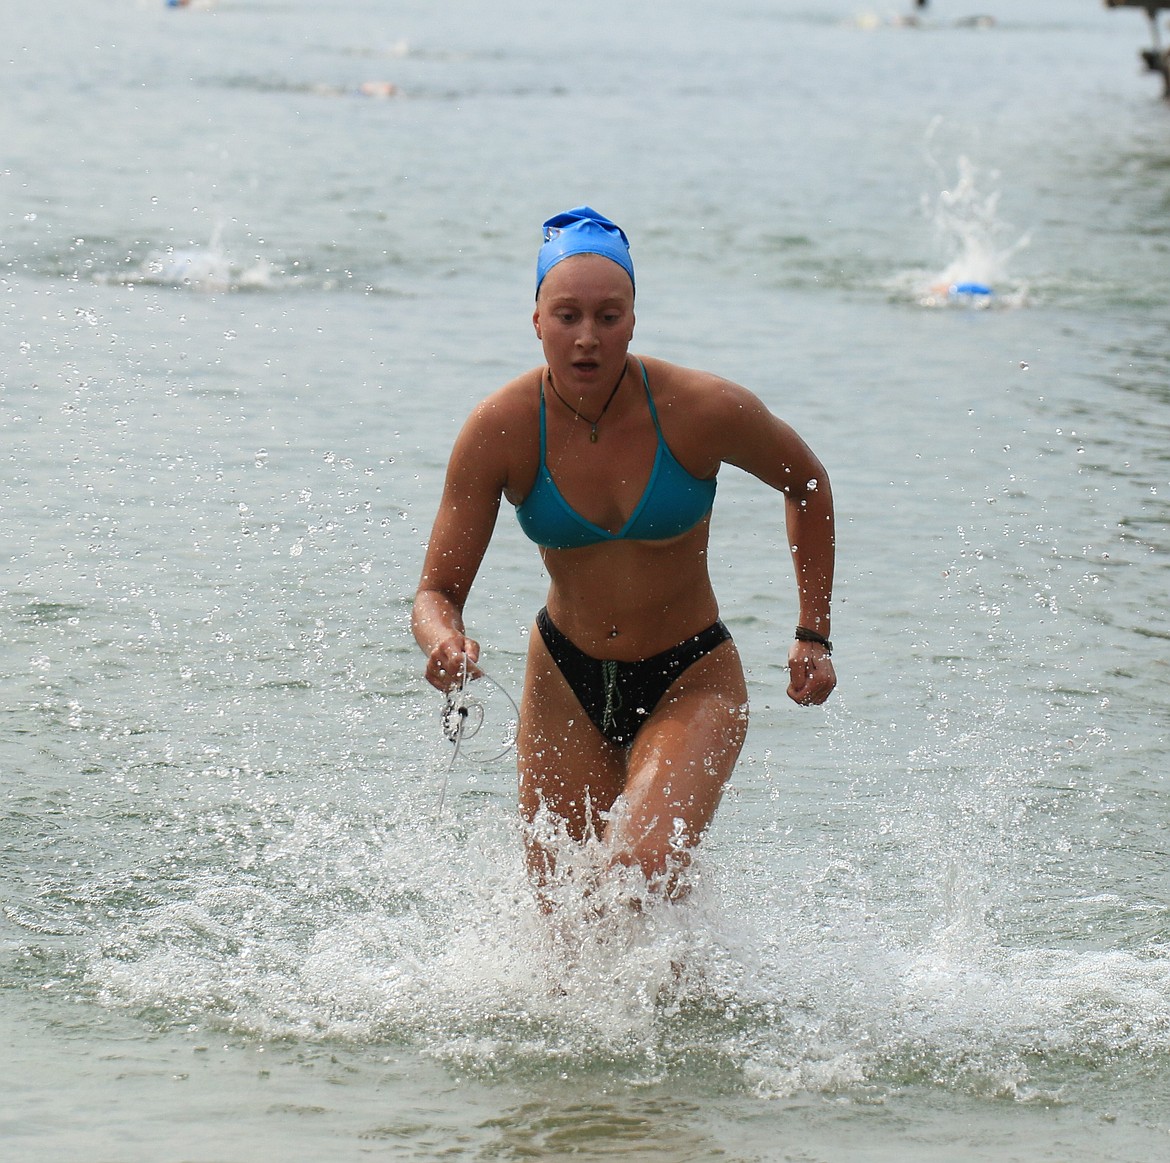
[
  {"x": 378, "y": 89},
  {"x": 365, "y": 89},
  {"x": 918, "y": 19},
  {"x": 966, "y": 293}
]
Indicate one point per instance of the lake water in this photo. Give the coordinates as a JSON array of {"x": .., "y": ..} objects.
[{"x": 246, "y": 304}]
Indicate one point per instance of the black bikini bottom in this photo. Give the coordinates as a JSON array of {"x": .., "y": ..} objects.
[{"x": 619, "y": 697}]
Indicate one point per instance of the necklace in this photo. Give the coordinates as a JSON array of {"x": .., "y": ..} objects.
[{"x": 585, "y": 419}]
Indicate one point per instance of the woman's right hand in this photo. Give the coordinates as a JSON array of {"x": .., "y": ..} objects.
[{"x": 445, "y": 664}]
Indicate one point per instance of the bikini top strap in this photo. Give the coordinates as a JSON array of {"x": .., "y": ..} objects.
[
  {"x": 650, "y": 400},
  {"x": 542, "y": 427}
]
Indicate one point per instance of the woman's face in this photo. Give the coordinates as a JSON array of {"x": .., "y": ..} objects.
[{"x": 584, "y": 319}]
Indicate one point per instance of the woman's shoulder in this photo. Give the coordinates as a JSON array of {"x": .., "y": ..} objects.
[
  {"x": 702, "y": 394},
  {"x": 510, "y": 407},
  {"x": 499, "y": 443},
  {"x": 709, "y": 420}
]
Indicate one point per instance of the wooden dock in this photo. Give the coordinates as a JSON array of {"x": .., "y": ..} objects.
[{"x": 1156, "y": 58}]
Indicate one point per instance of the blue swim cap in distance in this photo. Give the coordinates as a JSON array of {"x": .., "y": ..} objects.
[
  {"x": 582, "y": 231},
  {"x": 969, "y": 289}
]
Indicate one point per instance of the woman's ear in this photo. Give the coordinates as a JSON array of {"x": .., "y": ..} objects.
[{"x": 536, "y": 322}]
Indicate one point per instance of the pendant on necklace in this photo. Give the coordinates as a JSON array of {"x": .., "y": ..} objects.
[{"x": 585, "y": 419}]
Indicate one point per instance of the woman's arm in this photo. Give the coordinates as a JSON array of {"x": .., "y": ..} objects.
[
  {"x": 812, "y": 540},
  {"x": 760, "y": 443},
  {"x": 476, "y": 477}
]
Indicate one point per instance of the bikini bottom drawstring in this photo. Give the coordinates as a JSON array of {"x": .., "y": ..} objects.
[{"x": 613, "y": 694}]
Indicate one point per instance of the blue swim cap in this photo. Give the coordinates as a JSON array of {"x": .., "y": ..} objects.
[
  {"x": 969, "y": 289},
  {"x": 582, "y": 231}
]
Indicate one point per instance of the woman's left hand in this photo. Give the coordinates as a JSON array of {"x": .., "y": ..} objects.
[{"x": 811, "y": 674}]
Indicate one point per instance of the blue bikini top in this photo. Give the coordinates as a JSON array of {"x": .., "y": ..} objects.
[{"x": 673, "y": 502}]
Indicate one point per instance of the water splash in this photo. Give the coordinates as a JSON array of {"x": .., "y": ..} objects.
[
  {"x": 976, "y": 248},
  {"x": 207, "y": 269},
  {"x": 370, "y": 928}
]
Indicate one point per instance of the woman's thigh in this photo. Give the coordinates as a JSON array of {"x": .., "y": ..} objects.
[
  {"x": 680, "y": 762},
  {"x": 566, "y": 766}
]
